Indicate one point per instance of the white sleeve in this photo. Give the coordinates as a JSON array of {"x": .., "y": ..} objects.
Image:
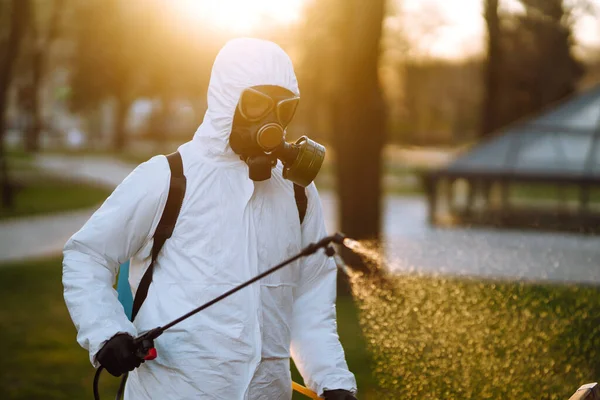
[
  {"x": 316, "y": 349},
  {"x": 113, "y": 234}
]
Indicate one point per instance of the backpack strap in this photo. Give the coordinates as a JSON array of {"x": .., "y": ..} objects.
[
  {"x": 165, "y": 227},
  {"x": 301, "y": 201},
  {"x": 167, "y": 222}
]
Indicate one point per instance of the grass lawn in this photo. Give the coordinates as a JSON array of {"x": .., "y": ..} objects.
[
  {"x": 39, "y": 193},
  {"x": 551, "y": 192},
  {"x": 400, "y": 176},
  {"x": 49, "y": 195},
  {"x": 439, "y": 338},
  {"x": 131, "y": 157},
  {"x": 38, "y": 338},
  {"x": 424, "y": 338}
]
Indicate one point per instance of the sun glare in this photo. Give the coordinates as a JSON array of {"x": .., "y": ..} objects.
[
  {"x": 240, "y": 16},
  {"x": 439, "y": 28}
]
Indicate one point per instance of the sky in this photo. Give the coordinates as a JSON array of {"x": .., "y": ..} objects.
[
  {"x": 240, "y": 16},
  {"x": 461, "y": 28},
  {"x": 439, "y": 28}
]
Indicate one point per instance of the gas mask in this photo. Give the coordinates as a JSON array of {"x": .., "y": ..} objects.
[{"x": 258, "y": 136}]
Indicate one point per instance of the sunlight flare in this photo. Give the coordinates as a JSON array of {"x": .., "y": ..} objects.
[{"x": 240, "y": 16}]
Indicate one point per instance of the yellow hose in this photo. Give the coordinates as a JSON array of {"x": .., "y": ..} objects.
[{"x": 305, "y": 391}]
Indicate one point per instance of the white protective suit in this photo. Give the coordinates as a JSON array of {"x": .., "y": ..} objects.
[{"x": 229, "y": 230}]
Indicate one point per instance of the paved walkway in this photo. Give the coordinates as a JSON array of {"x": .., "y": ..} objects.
[
  {"x": 45, "y": 235},
  {"x": 38, "y": 236},
  {"x": 100, "y": 169},
  {"x": 411, "y": 244}
]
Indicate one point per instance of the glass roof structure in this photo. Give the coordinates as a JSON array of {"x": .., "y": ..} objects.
[{"x": 561, "y": 144}]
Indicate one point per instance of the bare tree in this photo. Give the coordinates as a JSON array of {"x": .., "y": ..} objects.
[
  {"x": 17, "y": 23},
  {"x": 489, "y": 121},
  {"x": 108, "y": 58},
  {"x": 42, "y": 40},
  {"x": 530, "y": 62}
]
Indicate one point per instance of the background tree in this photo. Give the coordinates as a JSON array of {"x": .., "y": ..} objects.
[
  {"x": 440, "y": 100},
  {"x": 108, "y": 60},
  {"x": 530, "y": 63},
  {"x": 554, "y": 70},
  {"x": 359, "y": 118},
  {"x": 135, "y": 52},
  {"x": 17, "y": 12},
  {"x": 178, "y": 66},
  {"x": 344, "y": 105},
  {"x": 493, "y": 68},
  {"x": 42, "y": 30}
]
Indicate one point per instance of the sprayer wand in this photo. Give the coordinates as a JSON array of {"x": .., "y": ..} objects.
[
  {"x": 145, "y": 349},
  {"x": 310, "y": 249}
]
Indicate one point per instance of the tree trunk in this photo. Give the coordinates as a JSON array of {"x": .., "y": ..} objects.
[
  {"x": 120, "y": 137},
  {"x": 32, "y": 133},
  {"x": 490, "y": 118},
  {"x": 162, "y": 131},
  {"x": 18, "y": 19},
  {"x": 40, "y": 58},
  {"x": 359, "y": 121}
]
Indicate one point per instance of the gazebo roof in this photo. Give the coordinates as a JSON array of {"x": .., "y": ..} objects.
[{"x": 560, "y": 144}]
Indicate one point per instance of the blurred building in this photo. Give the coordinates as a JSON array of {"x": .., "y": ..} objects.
[{"x": 542, "y": 172}]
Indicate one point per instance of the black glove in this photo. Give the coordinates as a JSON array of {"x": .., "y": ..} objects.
[
  {"x": 338, "y": 394},
  {"x": 117, "y": 356}
]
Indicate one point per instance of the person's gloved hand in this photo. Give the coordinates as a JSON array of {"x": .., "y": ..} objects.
[
  {"x": 338, "y": 394},
  {"x": 117, "y": 356}
]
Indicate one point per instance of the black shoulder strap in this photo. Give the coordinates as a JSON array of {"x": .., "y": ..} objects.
[
  {"x": 301, "y": 201},
  {"x": 167, "y": 222},
  {"x": 165, "y": 226}
]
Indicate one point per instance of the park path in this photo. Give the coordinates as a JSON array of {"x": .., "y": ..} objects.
[
  {"x": 103, "y": 170},
  {"x": 45, "y": 235},
  {"x": 38, "y": 236},
  {"x": 411, "y": 244}
]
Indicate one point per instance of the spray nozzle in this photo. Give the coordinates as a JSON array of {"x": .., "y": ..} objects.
[
  {"x": 338, "y": 238},
  {"x": 324, "y": 244}
]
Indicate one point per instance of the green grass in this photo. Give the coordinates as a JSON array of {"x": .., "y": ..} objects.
[
  {"x": 36, "y": 192},
  {"x": 18, "y": 154},
  {"x": 401, "y": 185},
  {"x": 422, "y": 338},
  {"x": 437, "y": 338},
  {"x": 126, "y": 156},
  {"x": 136, "y": 159},
  {"x": 550, "y": 192},
  {"x": 44, "y": 195},
  {"x": 325, "y": 180},
  {"x": 38, "y": 338},
  {"x": 41, "y": 359}
]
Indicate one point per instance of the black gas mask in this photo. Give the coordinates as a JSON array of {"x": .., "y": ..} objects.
[{"x": 258, "y": 136}]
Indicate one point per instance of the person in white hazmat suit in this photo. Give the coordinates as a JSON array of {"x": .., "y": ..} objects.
[{"x": 229, "y": 229}]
